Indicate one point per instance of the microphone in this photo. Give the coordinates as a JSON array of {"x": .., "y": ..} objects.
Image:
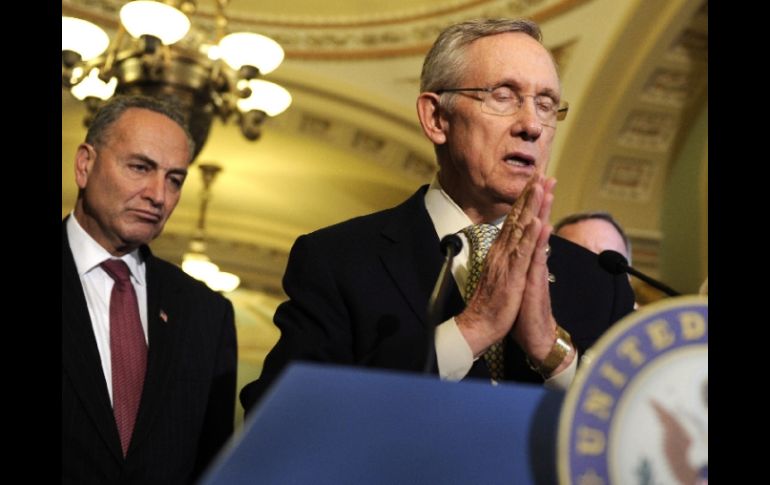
[
  {"x": 451, "y": 244},
  {"x": 615, "y": 263}
]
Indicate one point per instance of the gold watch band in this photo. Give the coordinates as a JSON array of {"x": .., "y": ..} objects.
[{"x": 561, "y": 348}]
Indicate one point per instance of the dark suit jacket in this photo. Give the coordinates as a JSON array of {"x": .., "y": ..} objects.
[
  {"x": 358, "y": 293},
  {"x": 188, "y": 401}
]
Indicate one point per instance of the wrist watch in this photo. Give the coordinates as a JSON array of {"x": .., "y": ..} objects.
[{"x": 561, "y": 348}]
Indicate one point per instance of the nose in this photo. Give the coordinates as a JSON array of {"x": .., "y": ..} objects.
[
  {"x": 526, "y": 124},
  {"x": 155, "y": 190}
]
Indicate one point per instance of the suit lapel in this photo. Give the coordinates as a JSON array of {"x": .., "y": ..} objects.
[
  {"x": 80, "y": 355},
  {"x": 412, "y": 256},
  {"x": 164, "y": 315}
]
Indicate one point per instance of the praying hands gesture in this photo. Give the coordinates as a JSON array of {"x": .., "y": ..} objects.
[{"x": 512, "y": 296}]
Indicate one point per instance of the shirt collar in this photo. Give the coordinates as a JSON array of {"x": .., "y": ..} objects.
[
  {"x": 446, "y": 215},
  {"x": 89, "y": 254}
]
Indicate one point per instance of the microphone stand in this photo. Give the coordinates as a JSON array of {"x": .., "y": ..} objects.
[
  {"x": 615, "y": 263},
  {"x": 654, "y": 283},
  {"x": 450, "y": 246}
]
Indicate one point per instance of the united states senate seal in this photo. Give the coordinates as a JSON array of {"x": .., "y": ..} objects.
[{"x": 637, "y": 412}]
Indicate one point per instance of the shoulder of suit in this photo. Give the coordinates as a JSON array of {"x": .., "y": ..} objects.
[
  {"x": 566, "y": 254},
  {"x": 173, "y": 274},
  {"x": 563, "y": 246}
]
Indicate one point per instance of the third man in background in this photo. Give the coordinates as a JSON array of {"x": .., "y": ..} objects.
[{"x": 596, "y": 231}]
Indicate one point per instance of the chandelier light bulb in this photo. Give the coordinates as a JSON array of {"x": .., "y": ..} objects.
[
  {"x": 92, "y": 86},
  {"x": 143, "y": 17},
  {"x": 248, "y": 49},
  {"x": 83, "y": 37},
  {"x": 210, "y": 51},
  {"x": 265, "y": 96},
  {"x": 204, "y": 75}
]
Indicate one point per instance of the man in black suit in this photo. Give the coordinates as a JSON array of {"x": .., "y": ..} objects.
[
  {"x": 156, "y": 412},
  {"x": 358, "y": 290}
]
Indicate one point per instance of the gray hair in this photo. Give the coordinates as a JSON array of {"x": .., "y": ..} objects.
[
  {"x": 445, "y": 63},
  {"x": 113, "y": 109}
]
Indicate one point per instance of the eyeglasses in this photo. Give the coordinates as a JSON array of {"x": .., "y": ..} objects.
[{"x": 504, "y": 101}]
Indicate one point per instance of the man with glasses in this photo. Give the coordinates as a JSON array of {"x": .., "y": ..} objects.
[{"x": 358, "y": 291}]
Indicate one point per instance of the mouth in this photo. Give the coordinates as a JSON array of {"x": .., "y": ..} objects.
[
  {"x": 519, "y": 160},
  {"x": 146, "y": 216}
]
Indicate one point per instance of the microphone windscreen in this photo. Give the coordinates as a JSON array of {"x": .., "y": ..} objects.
[
  {"x": 613, "y": 261},
  {"x": 452, "y": 241}
]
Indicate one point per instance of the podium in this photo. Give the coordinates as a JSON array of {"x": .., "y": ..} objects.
[{"x": 324, "y": 424}]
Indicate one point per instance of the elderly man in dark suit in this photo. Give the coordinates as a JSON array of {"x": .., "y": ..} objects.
[
  {"x": 358, "y": 290},
  {"x": 149, "y": 354}
]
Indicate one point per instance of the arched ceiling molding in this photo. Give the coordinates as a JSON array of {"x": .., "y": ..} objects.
[
  {"x": 581, "y": 38},
  {"x": 630, "y": 112},
  {"x": 374, "y": 34}
]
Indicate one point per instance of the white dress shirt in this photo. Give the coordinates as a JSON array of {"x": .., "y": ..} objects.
[
  {"x": 453, "y": 354},
  {"x": 97, "y": 288}
]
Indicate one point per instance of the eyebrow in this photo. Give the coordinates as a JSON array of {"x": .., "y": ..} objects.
[
  {"x": 144, "y": 158},
  {"x": 516, "y": 86}
]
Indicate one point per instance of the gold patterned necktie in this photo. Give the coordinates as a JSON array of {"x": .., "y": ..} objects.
[{"x": 481, "y": 237}]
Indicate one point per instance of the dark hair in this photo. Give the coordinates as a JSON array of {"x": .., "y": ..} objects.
[
  {"x": 112, "y": 110},
  {"x": 584, "y": 216}
]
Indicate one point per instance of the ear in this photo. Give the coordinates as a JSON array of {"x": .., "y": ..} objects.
[
  {"x": 431, "y": 117},
  {"x": 84, "y": 163}
]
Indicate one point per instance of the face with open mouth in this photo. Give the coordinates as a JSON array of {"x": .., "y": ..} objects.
[{"x": 487, "y": 159}]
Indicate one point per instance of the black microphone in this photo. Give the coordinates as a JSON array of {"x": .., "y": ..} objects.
[
  {"x": 616, "y": 263},
  {"x": 451, "y": 244}
]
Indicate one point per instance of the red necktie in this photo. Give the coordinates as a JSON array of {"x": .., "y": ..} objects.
[{"x": 128, "y": 349}]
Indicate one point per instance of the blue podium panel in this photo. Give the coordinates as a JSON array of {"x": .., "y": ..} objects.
[{"x": 324, "y": 424}]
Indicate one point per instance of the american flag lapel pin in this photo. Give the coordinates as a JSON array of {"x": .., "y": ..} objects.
[{"x": 163, "y": 316}]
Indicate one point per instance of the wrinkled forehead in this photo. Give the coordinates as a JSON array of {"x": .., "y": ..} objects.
[
  {"x": 597, "y": 234},
  {"x": 511, "y": 58},
  {"x": 151, "y": 133}
]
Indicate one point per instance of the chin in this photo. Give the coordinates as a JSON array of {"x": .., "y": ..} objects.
[
  {"x": 510, "y": 194},
  {"x": 138, "y": 238}
]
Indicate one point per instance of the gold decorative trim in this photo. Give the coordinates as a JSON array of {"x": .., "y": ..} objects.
[
  {"x": 329, "y": 39},
  {"x": 326, "y": 23}
]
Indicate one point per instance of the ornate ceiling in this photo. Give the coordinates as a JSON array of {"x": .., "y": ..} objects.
[{"x": 634, "y": 143}]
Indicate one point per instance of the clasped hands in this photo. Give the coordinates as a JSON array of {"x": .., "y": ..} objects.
[{"x": 512, "y": 297}]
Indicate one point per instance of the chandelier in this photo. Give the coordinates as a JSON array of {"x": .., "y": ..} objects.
[
  {"x": 195, "y": 262},
  {"x": 153, "y": 54}
]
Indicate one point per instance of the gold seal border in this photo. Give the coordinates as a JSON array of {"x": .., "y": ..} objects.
[{"x": 605, "y": 342}]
